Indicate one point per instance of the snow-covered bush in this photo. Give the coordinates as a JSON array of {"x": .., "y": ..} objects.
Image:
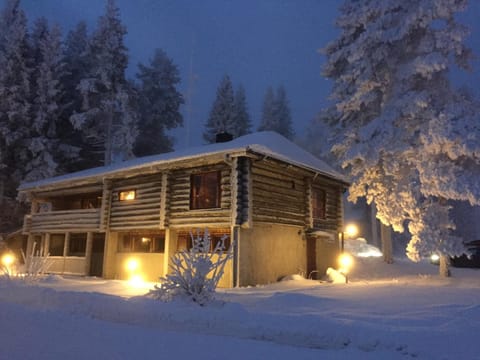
[
  {"x": 195, "y": 273},
  {"x": 35, "y": 265}
]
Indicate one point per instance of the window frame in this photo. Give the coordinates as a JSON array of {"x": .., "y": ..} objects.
[
  {"x": 76, "y": 241},
  {"x": 55, "y": 240},
  {"x": 131, "y": 242},
  {"x": 199, "y": 186}
]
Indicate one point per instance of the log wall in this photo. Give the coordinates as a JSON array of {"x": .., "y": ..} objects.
[
  {"x": 180, "y": 214},
  {"x": 141, "y": 213},
  {"x": 278, "y": 194}
]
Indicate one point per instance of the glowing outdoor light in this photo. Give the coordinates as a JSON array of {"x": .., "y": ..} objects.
[
  {"x": 351, "y": 230},
  {"x": 8, "y": 260},
  {"x": 132, "y": 265},
  {"x": 345, "y": 262}
]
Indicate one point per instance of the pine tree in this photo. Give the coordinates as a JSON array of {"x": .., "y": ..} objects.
[
  {"x": 276, "y": 113},
  {"x": 241, "y": 122},
  {"x": 107, "y": 119},
  {"x": 159, "y": 104},
  {"x": 407, "y": 138},
  {"x": 14, "y": 96},
  {"x": 222, "y": 113}
]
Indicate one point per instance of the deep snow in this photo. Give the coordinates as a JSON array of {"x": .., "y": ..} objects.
[{"x": 397, "y": 311}]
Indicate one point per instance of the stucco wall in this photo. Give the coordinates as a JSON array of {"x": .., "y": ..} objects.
[
  {"x": 149, "y": 266},
  {"x": 269, "y": 252},
  {"x": 227, "y": 279},
  {"x": 67, "y": 265}
]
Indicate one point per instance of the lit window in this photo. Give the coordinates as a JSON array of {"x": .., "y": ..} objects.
[
  {"x": 205, "y": 190},
  {"x": 318, "y": 204},
  {"x": 126, "y": 195}
]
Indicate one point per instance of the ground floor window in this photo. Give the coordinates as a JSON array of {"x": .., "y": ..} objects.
[
  {"x": 77, "y": 245},
  {"x": 56, "y": 244},
  {"x": 184, "y": 238},
  {"x": 142, "y": 242}
]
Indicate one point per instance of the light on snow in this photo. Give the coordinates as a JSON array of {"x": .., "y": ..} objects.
[{"x": 351, "y": 230}]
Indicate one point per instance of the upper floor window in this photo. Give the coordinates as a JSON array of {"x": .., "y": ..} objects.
[
  {"x": 318, "y": 204},
  {"x": 205, "y": 190}
]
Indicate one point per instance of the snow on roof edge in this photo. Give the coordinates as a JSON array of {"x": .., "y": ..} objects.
[{"x": 267, "y": 143}]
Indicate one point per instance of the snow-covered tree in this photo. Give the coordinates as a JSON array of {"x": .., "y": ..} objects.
[
  {"x": 283, "y": 114},
  {"x": 14, "y": 95},
  {"x": 241, "y": 124},
  {"x": 159, "y": 104},
  {"x": 222, "y": 113},
  {"x": 107, "y": 118},
  {"x": 268, "y": 120},
  {"x": 276, "y": 114},
  {"x": 76, "y": 67},
  {"x": 43, "y": 142},
  {"x": 408, "y": 139}
]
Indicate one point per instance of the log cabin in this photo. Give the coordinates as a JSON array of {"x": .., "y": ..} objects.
[{"x": 280, "y": 205}]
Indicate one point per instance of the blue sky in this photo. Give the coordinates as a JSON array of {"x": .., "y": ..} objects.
[{"x": 257, "y": 42}]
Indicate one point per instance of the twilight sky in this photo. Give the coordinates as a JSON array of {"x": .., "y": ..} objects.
[{"x": 257, "y": 42}]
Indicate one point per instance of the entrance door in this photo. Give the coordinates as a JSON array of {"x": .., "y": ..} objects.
[
  {"x": 98, "y": 246},
  {"x": 311, "y": 257}
]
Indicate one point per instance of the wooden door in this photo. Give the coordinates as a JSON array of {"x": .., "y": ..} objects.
[{"x": 96, "y": 262}]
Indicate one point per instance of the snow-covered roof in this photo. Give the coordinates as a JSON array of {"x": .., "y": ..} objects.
[{"x": 266, "y": 143}]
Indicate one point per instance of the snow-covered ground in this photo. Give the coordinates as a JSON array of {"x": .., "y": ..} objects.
[{"x": 397, "y": 311}]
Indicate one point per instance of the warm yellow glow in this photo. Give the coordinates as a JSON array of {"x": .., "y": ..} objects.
[
  {"x": 434, "y": 258},
  {"x": 127, "y": 195},
  {"x": 145, "y": 239},
  {"x": 8, "y": 259},
  {"x": 351, "y": 230},
  {"x": 345, "y": 261},
  {"x": 132, "y": 265}
]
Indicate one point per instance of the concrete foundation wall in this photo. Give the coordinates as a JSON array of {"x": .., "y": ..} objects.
[{"x": 269, "y": 252}]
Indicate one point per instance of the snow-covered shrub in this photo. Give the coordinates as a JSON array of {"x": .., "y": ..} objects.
[
  {"x": 195, "y": 273},
  {"x": 35, "y": 265}
]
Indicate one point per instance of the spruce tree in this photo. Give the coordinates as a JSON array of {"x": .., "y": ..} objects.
[
  {"x": 14, "y": 96},
  {"x": 76, "y": 66},
  {"x": 107, "y": 120},
  {"x": 408, "y": 139},
  {"x": 43, "y": 142},
  {"x": 268, "y": 120},
  {"x": 283, "y": 114},
  {"x": 276, "y": 114},
  {"x": 241, "y": 122},
  {"x": 159, "y": 104},
  {"x": 222, "y": 114}
]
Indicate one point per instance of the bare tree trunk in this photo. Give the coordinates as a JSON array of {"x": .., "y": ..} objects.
[
  {"x": 444, "y": 268},
  {"x": 386, "y": 236}
]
